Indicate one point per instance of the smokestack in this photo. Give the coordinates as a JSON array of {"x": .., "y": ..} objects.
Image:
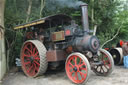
[{"x": 85, "y": 17}]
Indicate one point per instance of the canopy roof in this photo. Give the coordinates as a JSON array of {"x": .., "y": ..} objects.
[{"x": 47, "y": 21}]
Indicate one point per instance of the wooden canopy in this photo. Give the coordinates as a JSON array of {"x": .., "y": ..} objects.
[{"x": 47, "y": 21}]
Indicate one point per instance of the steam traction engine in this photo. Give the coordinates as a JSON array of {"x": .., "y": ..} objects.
[{"x": 52, "y": 40}]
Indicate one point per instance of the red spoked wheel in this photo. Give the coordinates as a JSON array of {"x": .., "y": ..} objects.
[
  {"x": 33, "y": 58},
  {"x": 107, "y": 63},
  {"x": 77, "y": 68}
]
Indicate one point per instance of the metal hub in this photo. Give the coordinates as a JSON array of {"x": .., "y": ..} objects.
[
  {"x": 114, "y": 56},
  {"x": 95, "y": 43},
  {"x": 31, "y": 59},
  {"x": 75, "y": 69}
]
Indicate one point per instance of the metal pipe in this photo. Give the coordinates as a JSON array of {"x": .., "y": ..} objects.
[{"x": 85, "y": 17}]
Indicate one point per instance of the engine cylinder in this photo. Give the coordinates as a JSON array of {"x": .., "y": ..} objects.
[{"x": 87, "y": 42}]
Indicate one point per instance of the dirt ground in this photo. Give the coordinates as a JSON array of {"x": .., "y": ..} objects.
[{"x": 118, "y": 77}]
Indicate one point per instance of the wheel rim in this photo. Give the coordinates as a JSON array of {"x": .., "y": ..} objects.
[
  {"x": 76, "y": 69},
  {"x": 30, "y": 59},
  {"x": 106, "y": 65}
]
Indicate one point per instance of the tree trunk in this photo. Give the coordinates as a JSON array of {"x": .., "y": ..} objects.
[
  {"x": 41, "y": 7},
  {"x": 29, "y": 10},
  {"x": 95, "y": 29},
  {"x": 2, "y": 42}
]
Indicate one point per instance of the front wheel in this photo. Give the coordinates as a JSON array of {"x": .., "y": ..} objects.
[
  {"x": 107, "y": 65},
  {"x": 77, "y": 68}
]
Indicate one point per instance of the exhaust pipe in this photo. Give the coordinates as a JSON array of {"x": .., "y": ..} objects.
[{"x": 85, "y": 17}]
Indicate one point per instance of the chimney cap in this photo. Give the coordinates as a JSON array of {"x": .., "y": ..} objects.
[{"x": 84, "y": 4}]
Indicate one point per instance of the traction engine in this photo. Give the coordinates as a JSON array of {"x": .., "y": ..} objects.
[{"x": 57, "y": 40}]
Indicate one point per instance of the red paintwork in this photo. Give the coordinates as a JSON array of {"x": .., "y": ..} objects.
[
  {"x": 30, "y": 68},
  {"x": 81, "y": 66},
  {"x": 67, "y": 32},
  {"x": 121, "y": 42}
]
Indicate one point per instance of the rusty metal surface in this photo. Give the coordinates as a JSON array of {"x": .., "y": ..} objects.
[
  {"x": 87, "y": 42},
  {"x": 56, "y": 55}
]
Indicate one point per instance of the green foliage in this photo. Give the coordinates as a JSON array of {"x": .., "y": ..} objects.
[{"x": 122, "y": 17}]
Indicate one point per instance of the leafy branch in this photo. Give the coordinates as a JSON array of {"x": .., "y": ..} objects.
[{"x": 112, "y": 37}]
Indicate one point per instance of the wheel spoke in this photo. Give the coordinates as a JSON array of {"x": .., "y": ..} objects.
[
  {"x": 70, "y": 68},
  {"x": 105, "y": 66},
  {"x": 36, "y": 62},
  {"x": 72, "y": 60},
  {"x": 109, "y": 65},
  {"x": 26, "y": 55},
  {"x": 71, "y": 64},
  {"x": 34, "y": 49},
  {"x": 80, "y": 62},
  {"x": 34, "y": 69},
  {"x": 28, "y": 59},
  {"x": 106, "y": 61},
  {"x": 30, "y": 68},
  {"x": 75, "y": 60},
  {"x": 28, "y": 49},
  {"x": 103, "y": 69},
  {"x": 76, "y": 75},
  {"x": 36, "y": 53},
  {"x": 37, "y": 58},
  {"x": 31, "y": 46},
  {"x": 100, "y": 69},
  {"x": 83, "y": 69},
  {"x": 83, "y": 74},
  {"x": 37, "y": 68},
  {"x": 27, "y": 62},
  {"x": 72, "y": 72}
]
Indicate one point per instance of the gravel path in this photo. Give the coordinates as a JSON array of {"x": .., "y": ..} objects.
[{"x": 118, "y": 77}]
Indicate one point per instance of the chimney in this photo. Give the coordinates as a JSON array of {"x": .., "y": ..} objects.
[{"x": 85, "y": 17}]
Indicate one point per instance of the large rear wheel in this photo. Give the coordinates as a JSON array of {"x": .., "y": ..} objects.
[
  {"x": 33, "y": 58},
  {"x": 107, "y": 63},
  {"x": 77, "y": 68}
]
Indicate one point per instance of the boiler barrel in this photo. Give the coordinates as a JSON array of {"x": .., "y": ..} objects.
[
  {"x": 117, "y": 54},
  {"x": 87, "y": 42}
]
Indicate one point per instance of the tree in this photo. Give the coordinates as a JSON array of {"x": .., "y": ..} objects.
[
  {"x": 2, "y": 43},
  {"x": 19, "y": 12},
  {"x": 41, "y": 7},
  {"x": 102, "y": 15},
  {"x": 29, "y": 10}
]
